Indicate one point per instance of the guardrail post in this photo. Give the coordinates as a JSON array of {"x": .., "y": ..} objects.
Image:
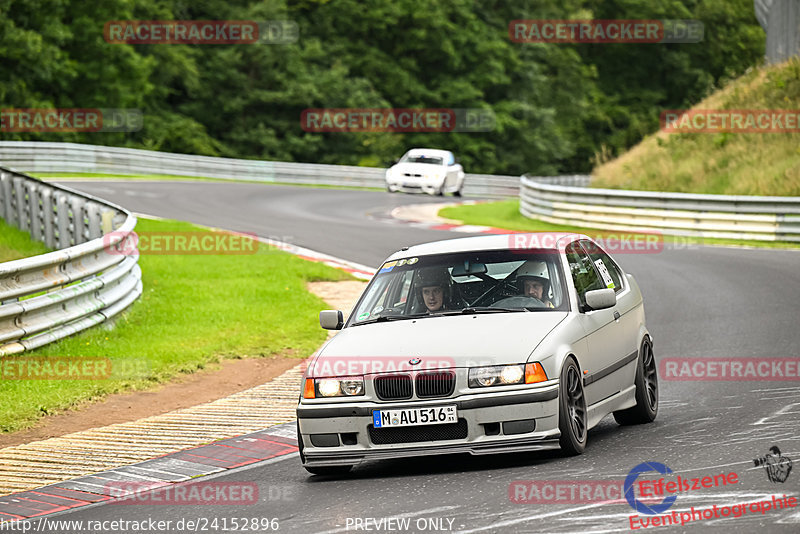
[
  {"x": 5, "y": 195},
  {"x": 48, "y": 215},
  {"x": 79, "y": 230},
  {"x": 62, "y": 220},
  {"x": 95, "y": 220},
  {"x": 35, "y": 211}
]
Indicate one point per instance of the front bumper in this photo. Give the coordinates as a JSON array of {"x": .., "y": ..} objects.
[
  {"x": 523, "y": 420},
  {"x": 415, "y": 185}
]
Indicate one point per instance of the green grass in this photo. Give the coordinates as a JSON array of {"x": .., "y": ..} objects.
[
  {"x": 721, "y": 163},
  {"x": 55, "y": 176},
  {"x": 16, "y": 244},
  {"x": 505, "y": 214},
  {"x": 195, "y": 310}
]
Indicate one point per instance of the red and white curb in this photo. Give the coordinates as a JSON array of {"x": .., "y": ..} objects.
[{"x": 427, "y": 216}]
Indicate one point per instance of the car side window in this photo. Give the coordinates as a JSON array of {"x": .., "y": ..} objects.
[
  {"x": 596, "y": 253},
  {"x": 583, "y": 272}
]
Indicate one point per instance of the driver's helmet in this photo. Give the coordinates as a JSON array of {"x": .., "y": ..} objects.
[
  {"x": 534, "y": 270},
  {"x": 434, "y": 276}
]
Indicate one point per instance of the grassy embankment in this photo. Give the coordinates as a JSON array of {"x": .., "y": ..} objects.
[
  {"x": 725, "y": 163},
  {"x": 195, "y": 310}
]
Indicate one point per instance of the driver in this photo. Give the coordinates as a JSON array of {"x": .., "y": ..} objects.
[
  {"x": 533, "y": 282},
  {"x": 434, "y": 288}
]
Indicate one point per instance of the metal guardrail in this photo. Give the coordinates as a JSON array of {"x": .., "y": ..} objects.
[
  {"x": 713, "y": 216},
  {"x": 781, "y": 20},
  {"x": 50, "y": 296},
  {"x": 32, "y": 156}
]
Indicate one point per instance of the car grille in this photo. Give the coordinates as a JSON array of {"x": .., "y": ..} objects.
[
  {"x": 412, "y": 434},
  {"x": 438, "y": 384},
  {"x": 393, "y": 387}
]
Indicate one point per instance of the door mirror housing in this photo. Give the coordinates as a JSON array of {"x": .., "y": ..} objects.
[
  {"x": 600, "y": 299},
  {"x": 331, "y": 319}
]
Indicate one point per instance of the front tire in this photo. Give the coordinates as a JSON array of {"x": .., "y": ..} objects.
[
  {"x": 646, "y": 383},
  {"x": 572, "y": 415}
]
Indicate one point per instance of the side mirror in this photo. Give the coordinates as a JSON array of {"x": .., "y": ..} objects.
[
  {"x": 331, "y": 319},
  {"x": 600, "y": 299}
]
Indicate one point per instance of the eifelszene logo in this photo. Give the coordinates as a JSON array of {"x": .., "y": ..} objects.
[{"x": 775, "y": 464}]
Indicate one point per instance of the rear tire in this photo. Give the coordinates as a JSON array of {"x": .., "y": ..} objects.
[
  {"x": 457, "y": 193},
  {"x": 646, "y": 383},
  {"x": 572, "y": 415}
]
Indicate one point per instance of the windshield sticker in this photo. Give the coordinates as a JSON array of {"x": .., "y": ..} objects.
[
  {"x": 388, "y": 266},
  {"x": 609, "y": 282},
  {"x": 362, "y": 316}
]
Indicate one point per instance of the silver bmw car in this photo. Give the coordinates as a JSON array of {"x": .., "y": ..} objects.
[{"x": 481, "y": 345}]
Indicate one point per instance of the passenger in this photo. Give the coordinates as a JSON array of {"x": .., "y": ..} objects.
[{"x": 533, "y": 281}]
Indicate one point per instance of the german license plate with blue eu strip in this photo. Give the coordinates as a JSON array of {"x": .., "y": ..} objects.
[{"x": 433, "y": 415}]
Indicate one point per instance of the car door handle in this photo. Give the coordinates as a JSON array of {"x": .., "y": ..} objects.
[{"x": 616, "y": 315}]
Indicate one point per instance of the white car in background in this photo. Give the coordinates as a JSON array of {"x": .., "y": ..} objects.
[{"x": 426, "y": 170}]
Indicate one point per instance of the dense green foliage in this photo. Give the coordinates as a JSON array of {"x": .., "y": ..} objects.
[{"x": 558, "y": 106}]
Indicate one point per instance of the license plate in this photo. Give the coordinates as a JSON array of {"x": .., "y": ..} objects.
[{"x": 434, "y": 415}]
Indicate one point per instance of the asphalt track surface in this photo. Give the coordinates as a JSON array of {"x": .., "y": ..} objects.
[{"x": 700, "y": 302}]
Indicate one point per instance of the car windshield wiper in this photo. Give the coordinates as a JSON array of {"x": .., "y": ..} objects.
[
  {"x": 385, "y": 318},
  {"x": 484, "y": 309}
]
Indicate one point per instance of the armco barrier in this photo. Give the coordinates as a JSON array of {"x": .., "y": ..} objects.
[
  {"x": 712, "y": 216},
  {"x": 32, "y": 156},
  {"x": 47, "y": 297}
]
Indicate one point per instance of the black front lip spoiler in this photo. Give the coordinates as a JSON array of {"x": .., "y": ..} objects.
[{"x": 471, "y": 404}]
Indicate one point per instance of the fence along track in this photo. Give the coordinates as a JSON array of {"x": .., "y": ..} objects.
[{"x": 85, "y": 282}]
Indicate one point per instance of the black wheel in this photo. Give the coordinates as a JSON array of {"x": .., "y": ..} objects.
[
  {"x": 440, "y": 192},
  {"x": 457, "y": 193},
  {"x": 324, "y": 471},
  {"x": 646, "y": 383},
  {"x": 572, "y": 409}
]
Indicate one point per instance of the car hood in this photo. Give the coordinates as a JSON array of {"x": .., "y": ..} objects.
[
  {"x": 439, "y": 342},
  {"x": 418, "y": 168}
]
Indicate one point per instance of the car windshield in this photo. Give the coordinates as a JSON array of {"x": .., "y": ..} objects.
[
  {"x": 432, "y": 160},
  {"x": 469, "y": 282}
]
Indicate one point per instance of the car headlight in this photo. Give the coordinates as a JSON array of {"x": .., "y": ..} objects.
[
  {"x": 504, "y": 375},
  {"x": 350, "y": 386}
]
